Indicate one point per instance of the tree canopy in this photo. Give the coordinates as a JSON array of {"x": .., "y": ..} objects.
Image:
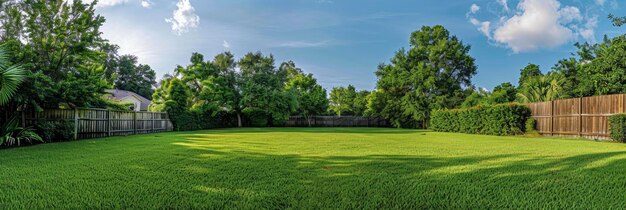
[{"x": 432, "y": 74}]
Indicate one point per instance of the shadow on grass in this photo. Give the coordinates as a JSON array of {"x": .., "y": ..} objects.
[
  {"x": 355, "y": 130},
  {"x": 256, "y": 180}
]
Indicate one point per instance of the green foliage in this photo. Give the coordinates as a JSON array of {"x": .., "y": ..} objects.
[
  {"x": 502, "y": 120},
  {"x": 617, "y": 21},
  {"x": 529, "y": 72},
  {"x": 131, "y": 76},
  {"x": 605, "y": 70},
  {"x": 542, "y": 88},
  {"x": 342, "y": 100},
  {"x": 11, "y": 76},
  {"x": 263, "y": 89},
  {"x": 359, "y": 106},
  {"x": 12, "y": 134},
  {"x": 618, "y": 127},
  {"x": 311, "y": 96},
  {"x": 431, "y": 75},
  {"x": 531, "y": 126},
  {"x": 51, "y": 131},
  {"x": 57, "y": 42}
]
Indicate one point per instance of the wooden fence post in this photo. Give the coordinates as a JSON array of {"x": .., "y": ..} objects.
[
  {"x": 76, "y": 121},
  {"x": 580, "y": 117},
  {"x": 134, "y": 122},
  {"x": 108, "y": 122},
  {"x": 152, "y": 116},
  {"x": 552, "y": 118}
]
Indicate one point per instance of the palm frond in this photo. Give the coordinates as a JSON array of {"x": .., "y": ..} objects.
[{"x": 10, "y": 77}]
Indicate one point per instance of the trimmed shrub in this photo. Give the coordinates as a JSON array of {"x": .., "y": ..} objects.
[
  {"x": 618, "y": 127},
  {"x": 501, "y": 120},
  {"x": 531, "y": 127}
]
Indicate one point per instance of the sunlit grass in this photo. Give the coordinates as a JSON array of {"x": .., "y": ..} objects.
[{"x": 314, "y": 168}]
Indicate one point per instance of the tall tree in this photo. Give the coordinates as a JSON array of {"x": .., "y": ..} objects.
[
  {"x": 430, "y": 75},
  {"x": 224, "y": 88},
  {"x": 131, "y": 76},
  {"x": 342, "y": 100},
  {"x": 528, "y": 72},
  {"x": 359, "y": 106},
  {"x": 311, "y": 96},
  {"x": 264, "y": 100},
  {"x": 605, "y": 72},
  {"x": 58, "y": 43}
]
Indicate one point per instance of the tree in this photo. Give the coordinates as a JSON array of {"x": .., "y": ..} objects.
[
  {"x": 542, "y": 88},
  {"x": 131, "y": 76},
  {"x": 342, "y": 100},
  {"x": 310, "y": 95},
  {"x": 617, "y": 21},
  {"x": 430, "y": 75},
  {"x": 503, "y": 93},
  {"x": 530, "y": 71},
  {"x": 604, "y": 72},
  {"x": 57, "y": 42},
  {"x": 476, "y": 98},
  {"x": 359, "y": 106},
  {"x": 264, "y": 100},
  {"x": 224, "y": 88}
]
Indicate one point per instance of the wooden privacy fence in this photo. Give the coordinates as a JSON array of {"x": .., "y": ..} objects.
[
  {"x": 585, "y": 117},
  {"x": 337, "y": 121},
  {"x": 95, "y": 123}
]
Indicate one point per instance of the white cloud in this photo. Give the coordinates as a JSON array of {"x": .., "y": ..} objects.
[
  {"x": 588, "y": 32},
  {"x": 504, "y": 4},
  {"x": 225, "y": 44},
  {"x": 483, "y": 27},
  {"x": 146, "y": 3},
  {"x": 537, "y": 24},
  {"x": 536, "y": 27},
  {"x": 600, "y": 2},
  {"x": 474, "y": 9},
  {"x": 569, "y": 14},
  {"x": 109, "y": 3},
  {"x": 183, "y": 18}
]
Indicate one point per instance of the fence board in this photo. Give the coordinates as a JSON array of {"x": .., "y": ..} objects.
[
  {"x": 586, "y": 117},
  {"x": 96, "y": 123}
]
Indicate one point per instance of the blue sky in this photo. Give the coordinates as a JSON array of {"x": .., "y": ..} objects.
[{"x": 342, "y": 42}]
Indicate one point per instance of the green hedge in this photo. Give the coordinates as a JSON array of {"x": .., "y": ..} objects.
[
  {"x": 502, "y": 120},
  {"x": 618, "y": 127}
]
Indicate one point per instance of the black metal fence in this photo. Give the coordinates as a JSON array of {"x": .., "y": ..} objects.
[{"x": 337, "y": 121}]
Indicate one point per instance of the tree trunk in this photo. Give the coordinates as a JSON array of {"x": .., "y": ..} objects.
[
  {"x": 238, "y": 119},
  {"x": 308, "y": 119}
]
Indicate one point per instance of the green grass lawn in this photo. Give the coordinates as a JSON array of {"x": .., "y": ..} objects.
[{"x": 314, "y": 168}]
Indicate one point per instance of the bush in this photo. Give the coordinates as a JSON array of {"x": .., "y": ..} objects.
[
  {"x": 52, "y": 131},
  {"x": 618, "y": 127},
  {"x": 531, "y": 127},
  {"x": 502, "y": 120}
]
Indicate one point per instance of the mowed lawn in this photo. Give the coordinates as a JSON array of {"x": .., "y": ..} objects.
[{"x": 312, "y": 168}]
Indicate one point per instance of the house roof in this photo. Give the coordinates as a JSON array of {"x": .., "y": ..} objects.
[{"x": 121, "y": 94}]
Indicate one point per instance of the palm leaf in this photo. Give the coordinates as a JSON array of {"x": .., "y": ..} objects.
[{"x": 10, "y": 77}]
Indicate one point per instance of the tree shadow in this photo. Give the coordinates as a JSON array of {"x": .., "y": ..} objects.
[{"x": 397, "y": 181}]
